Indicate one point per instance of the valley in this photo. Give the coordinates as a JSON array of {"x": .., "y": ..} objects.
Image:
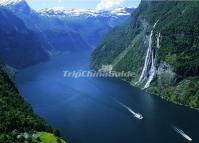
[
  {"x": 156, "y": 42},
  {"x": 88, "y": 110}
]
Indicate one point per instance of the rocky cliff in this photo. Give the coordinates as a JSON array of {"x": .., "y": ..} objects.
[{"x": 160, "y": 45}]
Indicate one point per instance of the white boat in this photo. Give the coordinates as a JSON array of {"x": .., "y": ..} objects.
[
  {"x": 136, "y": 115},
  {"x": 139, "y": 116},
  {"x": 179, "y": 131}
]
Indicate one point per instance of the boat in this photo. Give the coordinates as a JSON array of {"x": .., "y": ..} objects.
[
  {"x": 181, "y": 132},
  {"x": 138, "y": 116}
]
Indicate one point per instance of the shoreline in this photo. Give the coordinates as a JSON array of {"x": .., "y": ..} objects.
[{"x": 162, "y": 98}]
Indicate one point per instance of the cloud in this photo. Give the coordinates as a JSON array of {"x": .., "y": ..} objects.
[{"x": 109, "y": 4}]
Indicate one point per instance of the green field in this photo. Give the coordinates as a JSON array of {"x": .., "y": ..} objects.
[{"x": 49, "y": 138}]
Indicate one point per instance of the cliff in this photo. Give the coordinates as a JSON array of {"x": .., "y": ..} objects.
[{"x": 159, "y": 44}]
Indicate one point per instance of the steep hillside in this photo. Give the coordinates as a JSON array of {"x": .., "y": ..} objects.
[
  {"x": 42, "y": 28},
  {"x": 67, "y": 30},
  {"x": 19, "y": 46},
  {"x": 18, "y": 122},
  {"x": 160, "y": 45}
]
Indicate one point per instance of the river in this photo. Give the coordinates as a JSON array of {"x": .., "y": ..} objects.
[{"x": 85, "y": 109}]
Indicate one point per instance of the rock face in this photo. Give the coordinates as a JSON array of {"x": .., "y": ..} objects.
[
  {"x": 158, "y": 43},
  {"x": 165, "y": 74},
  {"x": 20, "y": 47}
]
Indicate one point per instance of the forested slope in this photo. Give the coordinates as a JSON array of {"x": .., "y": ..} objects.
[
  {"x": 16, "y": 116},
  {"x": 159, "y": 42}
]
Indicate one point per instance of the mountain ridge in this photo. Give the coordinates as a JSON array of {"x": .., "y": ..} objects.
[
  {"x": 15, "y": 37},
  {"x": 75, "y": 25},
  {"x": 90, "y": 12},
  {"x": 164, "y": 52},
  {"x": 11, "y": 2}
]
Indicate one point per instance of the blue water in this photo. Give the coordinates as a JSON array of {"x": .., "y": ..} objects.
[{"x": 85, "y": 111}]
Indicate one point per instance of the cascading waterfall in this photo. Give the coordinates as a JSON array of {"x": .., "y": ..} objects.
[
  {"x": 153, "y": 69},
  {"x": 149, "y": 64},
  {"x": 158, "y": 41},
  {"x": 147, "y": 59}
]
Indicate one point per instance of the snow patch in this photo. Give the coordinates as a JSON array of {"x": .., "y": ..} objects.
[
  {"x": 10, "y": 2},
  {"x": 60, "y": 11}
]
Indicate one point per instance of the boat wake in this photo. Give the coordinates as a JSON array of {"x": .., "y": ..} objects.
[
  {"x": 179, "y": 131},
  {"x": 136, "y": 115}
]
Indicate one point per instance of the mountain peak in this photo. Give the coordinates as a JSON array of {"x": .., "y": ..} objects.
[
  {"x": 122, "y": 11},
  {"x": 58, "y": 8},
  {"x": 11, "y": 2},
  {"x": 61, "y": 11},
  {"x": 16, "y": 6}
]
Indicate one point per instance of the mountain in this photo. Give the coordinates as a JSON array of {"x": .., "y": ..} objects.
[
  {"x": 91, "y": 24},
  {"x": 62, "y": 29},
  {"x": 159, "y": 44},
  {"x": 67, "y": 30},
  {"x": 20, "y": 47},
  {"x": 34, "y": 22},
  {"x": 17, "y": 6},
  {"x": 18, "y": 121},
  {"x": 52, "y": 31},
  {"x": 21, "y": 9},
  {"x": 62, "y": 12}
]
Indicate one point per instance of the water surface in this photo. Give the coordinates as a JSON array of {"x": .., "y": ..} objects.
[{"x": 85, "y": 111}]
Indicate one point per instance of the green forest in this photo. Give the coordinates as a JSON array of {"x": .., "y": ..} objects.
[
  {"x": 178, "y": 24},
  {"x": 17, "y": 116}
]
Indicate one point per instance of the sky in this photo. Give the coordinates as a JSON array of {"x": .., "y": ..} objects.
[{"x": 86, "y": 4}]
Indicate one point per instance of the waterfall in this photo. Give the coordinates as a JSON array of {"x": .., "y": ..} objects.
[
  {"x": 153, "y": 69},
  {"x": 148, "y": 71},
  {"x": 158, "y": 41},
  {"x": 151, "y": 72},
  {"x": 147, "y": 59}
]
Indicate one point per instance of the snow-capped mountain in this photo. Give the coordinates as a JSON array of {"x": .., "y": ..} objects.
[
  {"x": 59, "y": 26},
  {"x": 60, "y": 11},
  {"x": 16, "y": 6},
  {"x": 19, "y": 46},
  {"x": 92, "y": 24},
  {"x": 21, "y": 9},
  {"x": 11, "y": 2},
  {"x": 21, "y": 5}
]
